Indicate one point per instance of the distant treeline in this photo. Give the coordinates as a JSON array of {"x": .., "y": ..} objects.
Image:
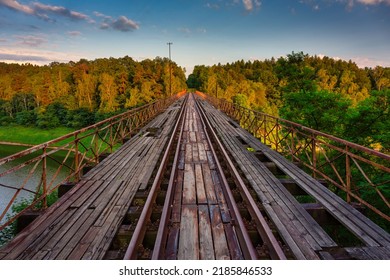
[
  {"x": 329, "y": 95},
  {"x": 77, "y": 94}
]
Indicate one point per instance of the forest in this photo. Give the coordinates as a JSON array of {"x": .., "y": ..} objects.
[
  {"x": 333, "y": 96},
  {"x": 77, "y": 94},
  {"x": 330, "y": 95}
]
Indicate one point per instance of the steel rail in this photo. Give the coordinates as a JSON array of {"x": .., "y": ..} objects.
[
  {"x": 140, "y": 229},
  {"x": 162, "y": 231},
  {"x": 246, "y": 244},
  {"x": 263, "y": 228}
]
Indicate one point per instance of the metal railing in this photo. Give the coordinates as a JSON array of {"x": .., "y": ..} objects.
[
  {"x": 356, "y": 173},
  {"x": 68, "y": 155}
]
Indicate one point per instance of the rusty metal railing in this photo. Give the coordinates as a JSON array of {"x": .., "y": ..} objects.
[
  {"x": 356, "y": 173},
  {"x": 68, "y": 154}
]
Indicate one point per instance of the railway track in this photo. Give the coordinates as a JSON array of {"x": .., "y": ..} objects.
[{"x": 197, "y": 206}]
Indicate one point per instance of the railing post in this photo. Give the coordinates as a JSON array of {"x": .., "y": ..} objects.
[
  {"x": 44, "y": 178},
  {"x": 348, "y": 174},
  {"x": 111, "y": 140},
  {"x": 96, "y": 144},
  {"x": 292, "y": 145},
  {"x": 265, "y": 130},
  {"x": 277, "y": 136},
  {"x": 76, "y": 158},
  {"x": 314, "y": 155}
]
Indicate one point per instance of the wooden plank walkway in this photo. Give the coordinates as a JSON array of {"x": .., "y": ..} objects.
[
  {"x": 298, "y": 229},
  {"x": 82, "y": 224},
  {"x": 200, "y": 218}
]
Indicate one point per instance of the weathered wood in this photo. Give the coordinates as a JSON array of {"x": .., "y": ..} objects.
[
  {"x": 209, "y": 185},
  {"x": 176, "y": 209},
  {"x": 189, "y": 186},
  {"x": 202, "y": 153},
  {"x": 233, "y": 244},
  {"x": 200, "y": 190},
  {"x": 189, "y": 234},
  {"x": 220, "y": 243},
  {"x": 205, "y": 235},
  {"x": 188, "y": 153},
  {"x": 172, "y": 243}
]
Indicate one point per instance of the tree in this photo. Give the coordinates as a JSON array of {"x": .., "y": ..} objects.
[
  {"x": 108, "y": 94},
  {"x": 323, "y": 111}
]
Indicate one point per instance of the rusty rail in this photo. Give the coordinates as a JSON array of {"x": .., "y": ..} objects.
[
  {"x": 275, "y": 250},
  {"x": 361, "y": 174},
  {"x": 71, "y": 153}
]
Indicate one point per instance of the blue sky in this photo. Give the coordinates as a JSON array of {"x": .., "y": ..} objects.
[{"x": 202, "y": 31}]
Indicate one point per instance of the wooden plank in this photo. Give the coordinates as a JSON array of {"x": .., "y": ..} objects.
[
  {"x": 210, "y": 160},
  {"x": 181, "y": 162},
  {"x": 172, "y": 243},
  {"x": 209, "y": 185},
  {"x": 358, "y": 253},
  {"x": 223, "y": 207},
  {"x": 84, "y": 243},
  {"x": 189, "y": 234},
  {"x": 202, "y": 153},
  {"x": 200, "y": 190},
  {"x": 176, "y": 210},
  {"x": 188, "y": 153},
  {"x": 220, "y": 243},
  {"x": 101, "y": 243},
  {"x": 192, "y": 137},
  {"x": 205, "y": 235},
  {"x": 195, "y": 152},
  {"x": 234, "y": 245},
  {"x": 189, "y": 186}
]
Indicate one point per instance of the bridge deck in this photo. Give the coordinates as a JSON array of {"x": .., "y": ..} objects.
[
  {"x": 305, "y": 237},
  {"x": 82, "y": 224}
]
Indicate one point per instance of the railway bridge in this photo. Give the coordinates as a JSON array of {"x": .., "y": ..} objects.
[{"x": 195, "y": 177}]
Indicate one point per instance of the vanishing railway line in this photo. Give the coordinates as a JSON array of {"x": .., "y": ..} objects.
[{"x": 192, "y": 184}]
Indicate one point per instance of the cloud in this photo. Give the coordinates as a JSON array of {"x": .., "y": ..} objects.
[
  {"x": 22, "y": 58},
  {"x": 40, "y": 57},
  {"x": 249, "y": 5},
  {"x": 121, "y": 24},
  {"x": 213, "y": 6},
  {"x": 184, "y": 30},
  {"x": 74, "y": 33},
  {"x": 30, "y": 40},
  {"x": 16, "y": 6},
  {"x": 42, "y": 10},
  {"x": 374, "y": 2},
  {"x": 98, "y": 14}
]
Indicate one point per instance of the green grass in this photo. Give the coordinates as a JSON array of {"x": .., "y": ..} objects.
[{"x": 31, "y": 135}]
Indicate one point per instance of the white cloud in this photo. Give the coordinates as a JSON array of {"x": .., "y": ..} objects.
[
  {"x": 39, "y": 57},
  {"x": 374, "y": 2},
  {"x": 15, "y": 5},
  {"x": 121, "y": 24},
  {"x": 249, "y": 5},
  {"x": 74, "y": 33},
  {"x": 30, "y": 40},
  {"x": 42, "y": 10}
]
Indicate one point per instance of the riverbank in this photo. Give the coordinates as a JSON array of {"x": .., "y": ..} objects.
[{"x": 30, "y": 135}]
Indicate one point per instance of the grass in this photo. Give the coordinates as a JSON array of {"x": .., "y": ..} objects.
[{"x": 31, "y": 135}]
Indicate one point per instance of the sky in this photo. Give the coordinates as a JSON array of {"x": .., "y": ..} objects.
[{"x": 203, "y": 32}]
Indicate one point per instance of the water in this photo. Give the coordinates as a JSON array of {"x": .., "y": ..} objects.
[{"x": 16, "y": 179}]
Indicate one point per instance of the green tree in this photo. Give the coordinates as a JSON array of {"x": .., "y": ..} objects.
[{"x": 323, "y": 111}]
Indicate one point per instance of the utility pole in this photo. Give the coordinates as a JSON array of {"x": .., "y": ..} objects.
[{"x": 170, "y": 69}]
